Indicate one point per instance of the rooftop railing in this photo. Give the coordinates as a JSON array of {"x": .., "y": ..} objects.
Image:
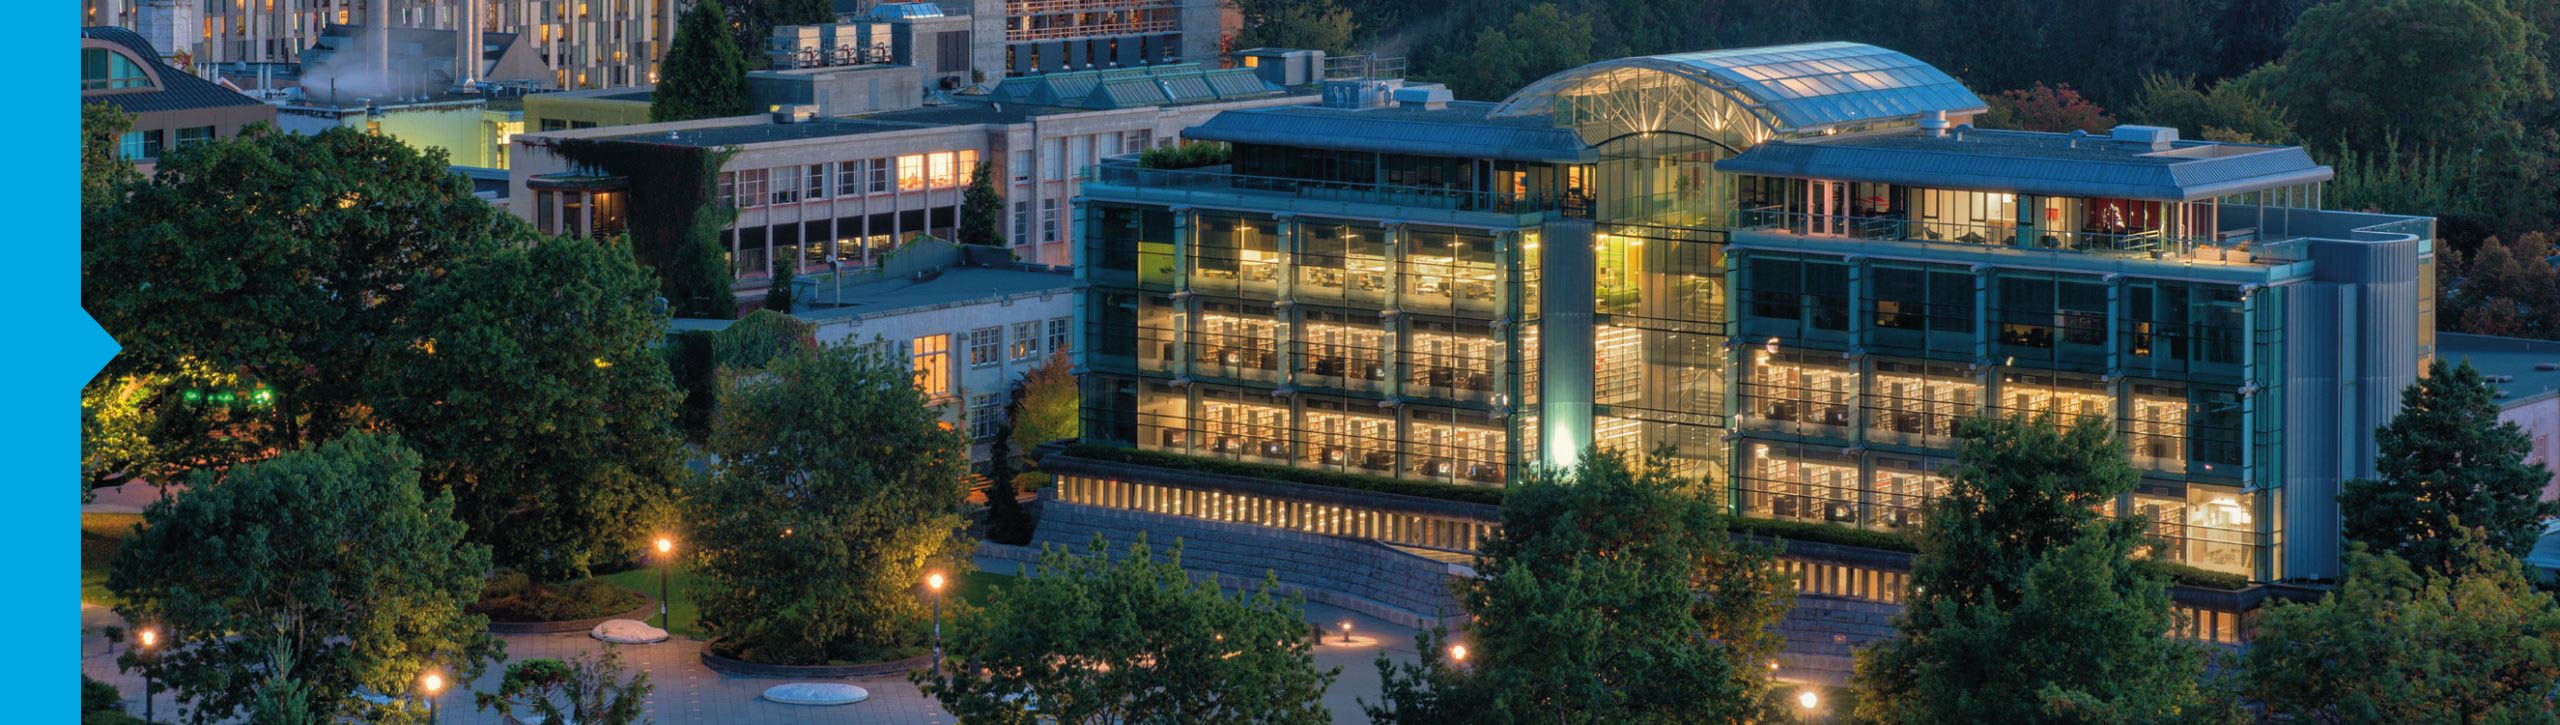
[
  {"x": 1219, "y": 180},
  {"x": 2226, "y": 246}
]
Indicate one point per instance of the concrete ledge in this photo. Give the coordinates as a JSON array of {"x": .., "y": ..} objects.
[
  {"x": 648, "y": 608},
  {"x": 743, "y": 668}
]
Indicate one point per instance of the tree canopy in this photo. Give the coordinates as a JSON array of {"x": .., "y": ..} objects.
[
  {"x": 2053, "y": 109},
  {"x": 1540, "y": 40},
  {"x": 1091, "y": 638},
  {"x": 586, "y": 689},
  {"x": 2226, "y": 112},
  {"x": 103, "y": 170},
  {"x": 2448, "y": 74},
  {"x": 1611, "y": 594},
  {"x": 532, "y": 393},
  {"x": 836, "y": 487},
  {"x": 2023, "y": 604},
  {"x": 2395, "y": 643},
  {"x": 2446, "y": 458},
  {"x": 703, "y": 75},
  {"x": 266, "y": 280},
  {"x": 301, "y": 579},
  {"x": 1310, "y": 24}
]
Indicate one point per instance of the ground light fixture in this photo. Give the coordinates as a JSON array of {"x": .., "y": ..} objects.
[
  {"x": 1346, "y": 631},
  {"x": 1809, "y": 700}
]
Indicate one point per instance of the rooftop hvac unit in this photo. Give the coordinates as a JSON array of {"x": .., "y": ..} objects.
[
  {"x": 2150, "y": 138},
  {"x": 1428, "y": 96},
  {"x": 1359, "y": 93}
]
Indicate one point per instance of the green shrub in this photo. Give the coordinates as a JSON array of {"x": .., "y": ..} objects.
[
  {"x": 756, "y": 339},
  {"x": 2194, "y": 577},
  {"x": 1353, "y": 481},
  {"x": 97, "y": 696},
  {"x": 1184, "y": 156},
  {"x": 513, "y": 597},
  {"x": 1823, "y": 533}
]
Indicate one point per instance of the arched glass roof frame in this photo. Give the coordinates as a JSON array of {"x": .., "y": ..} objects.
[{"x": 1743, "y": 96}]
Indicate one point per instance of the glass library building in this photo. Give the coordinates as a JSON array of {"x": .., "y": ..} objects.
[{"x": 1792, "y": 268}]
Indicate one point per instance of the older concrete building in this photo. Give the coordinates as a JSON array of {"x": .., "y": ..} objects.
[
  {"x": 817, "y": 190},
  {"x": 171, "y": 108}
]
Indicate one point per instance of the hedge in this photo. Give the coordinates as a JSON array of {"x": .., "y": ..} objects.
[{"x": 1352, "y": 481}]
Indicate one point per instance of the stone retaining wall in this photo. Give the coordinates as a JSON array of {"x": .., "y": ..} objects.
[{"x": 1362, "y": 576}]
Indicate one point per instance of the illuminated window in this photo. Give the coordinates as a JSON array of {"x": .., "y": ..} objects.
[
  {"x": 910, "y": 173},
  {"x": 931, "y": 357},
  {"x": 943, "y": 174},
  {"x": 1026, "y": 340},
  {"x": 968, "y": 167}
]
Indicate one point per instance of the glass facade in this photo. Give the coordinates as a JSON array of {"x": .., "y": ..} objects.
[
  {"x": 1810, "y": 343},
  {"x": 1335, "y": 344}
]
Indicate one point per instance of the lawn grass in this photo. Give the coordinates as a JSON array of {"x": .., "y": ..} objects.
[
  {"x": 974, "y": 587},
  {"x": 101, "y": 536}
]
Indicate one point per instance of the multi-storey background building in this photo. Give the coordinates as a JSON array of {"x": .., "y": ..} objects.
[
  {"x": 1792, "y": 269},
  {"x": 585, "y": 43}
]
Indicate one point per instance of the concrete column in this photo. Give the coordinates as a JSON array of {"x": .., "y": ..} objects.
[{"x": 1566, "y": 261}]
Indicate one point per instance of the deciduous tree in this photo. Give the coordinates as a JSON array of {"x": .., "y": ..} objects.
[
  {"x": 2396, "y": 643},
  {"x": 103, "y": 170},
  {"x": 532, "y": 393},
  {"x": 837, "y": 486},
  {"x": 2446, "y": 458},
  {"x": 2226, "y": 112},
  {"x": 2445, "y": 74},
  {"x": 299, "y": 581},
  {"x": 1310, "y": 24},
  {"x": 271, "y": 274},
  {"x": 1611, "y": 594},
  {"x": 1135, "y": 639},
  {"x": 2053, "y": 109},
  {"x": 586, "y": 689},
  {"x": 1540, "y": 40}
]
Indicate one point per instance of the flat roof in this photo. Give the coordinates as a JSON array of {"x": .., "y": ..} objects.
[
  {"x": 2057, "y": 164},
  {"x": 2514, "y": 364},
  {"x": 765, "y": 132},
  {"x": 956, "y": 285},
  {"x": 1461, "y": 128}
]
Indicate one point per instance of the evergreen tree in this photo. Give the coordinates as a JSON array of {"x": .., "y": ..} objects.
[
  {"x": 2397, "y": 644},
  {"x": 982, "y": 211},
  {"x": 2022, "y": 604},
  {"x": 777, "y": 296},
  {"x": 1610, "y": 594},
  {"x": 2446, "y": 458},
  {"x": 703, "y": 75}
]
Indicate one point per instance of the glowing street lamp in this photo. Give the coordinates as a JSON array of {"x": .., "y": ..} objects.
[
  {"x": 150, "y": 645},
  {"x": 666, "y": 560},
  {"x": 433, "y": 685},
  {"x": 933, "y": 583},
  {"x": 1346, "y": 631},
  {"x": 1809, "y": 701},
  {"x": 1458, "y": 653}
]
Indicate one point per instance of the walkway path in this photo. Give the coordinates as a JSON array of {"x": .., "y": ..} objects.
[{"x": 689, "y": 692}]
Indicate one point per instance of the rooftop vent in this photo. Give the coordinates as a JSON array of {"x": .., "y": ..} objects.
[
  {"x": 2149, "y": 138},
  {"x": 1426, "y": 96},
  {"x": 2547, "y": 366}
]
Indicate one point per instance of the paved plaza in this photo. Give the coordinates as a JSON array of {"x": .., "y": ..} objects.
[{"x": 688, "y": 692}]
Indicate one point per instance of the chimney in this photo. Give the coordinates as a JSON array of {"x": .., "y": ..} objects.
[
  {"x": 1934, "y": 125},
  {"x": 466, "y": 44}
]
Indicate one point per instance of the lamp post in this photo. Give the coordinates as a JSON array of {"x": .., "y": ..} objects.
[
  {"x": 1346, "y": 631},
  {"x": 1807, "y": 701},
  {"x": 150, "y": 644},
  {"x": 433, "y": 685},
  {"x": 933, "y": 583},
  {"x": 666, "y": 560}
]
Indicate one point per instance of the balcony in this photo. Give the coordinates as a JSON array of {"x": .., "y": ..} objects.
[
  {"x": 2240, "y": 246},
  {"x": 1217, "y": 186}
]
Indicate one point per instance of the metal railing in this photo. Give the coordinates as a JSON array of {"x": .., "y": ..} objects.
[
  {"x": 2151, "y": 243},
  {"x": 1216, "y": 179}
]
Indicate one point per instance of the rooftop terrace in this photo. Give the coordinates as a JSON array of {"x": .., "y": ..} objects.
[{"x": 2129, "y": 166}]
